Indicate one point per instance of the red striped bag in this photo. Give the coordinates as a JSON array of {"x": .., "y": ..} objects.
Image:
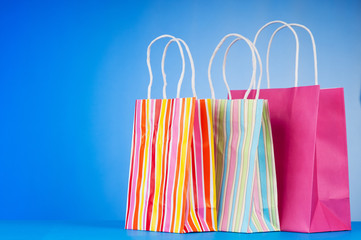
[
  {"x": 161, "y": 196},
  {"x": 202, "y": 214}
]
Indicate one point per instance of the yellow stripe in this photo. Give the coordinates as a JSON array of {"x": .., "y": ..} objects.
[
  {"x": 192, "y": 206},
  {"x": 158, "y": 166},
  {"x": 255, "y": 221},
  {"x": 194, "y": 219},
  {"x": 213, "y": 176},
  {"x": 183, "y": 159}
]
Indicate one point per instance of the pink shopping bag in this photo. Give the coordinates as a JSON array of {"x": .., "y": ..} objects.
[{"x": 309, "y": 133}]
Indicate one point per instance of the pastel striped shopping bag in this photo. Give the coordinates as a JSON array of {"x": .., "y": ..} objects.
[
  {"x": 202, "y": 215},
  {"x": 245, "y": 165},
  {"x": 160, "y": 161}
]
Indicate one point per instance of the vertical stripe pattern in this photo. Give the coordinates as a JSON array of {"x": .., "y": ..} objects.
[
  {"x": 245, "y": 168},
  {"x": 202, "y": 215},
  {"x": 265, "y": 210},
  {"x": 160, "y": 165}
]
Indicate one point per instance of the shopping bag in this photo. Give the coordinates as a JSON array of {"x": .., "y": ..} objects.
[
  {"x": 201, "y": 209},
  {"x": 160, "y": 161},
  {"x": 309, "y": 133},
  {"x": 245, "y": 171}
]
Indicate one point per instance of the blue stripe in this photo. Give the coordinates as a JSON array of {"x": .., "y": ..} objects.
[
  {"x": 238, "y": 161},
  {"x": 254, "y": 145},
  {"x": 263, "y": 179},
  {"x": 252, "y": 226}
]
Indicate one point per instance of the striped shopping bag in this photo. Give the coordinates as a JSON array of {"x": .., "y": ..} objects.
[
  {"x": 179, "y": 189},
  {"x": 245, "y": 167},
  {"x": 201, "y": 211},
  {"x": 202, "y": 193},
  {"x": 160, "y": 159}
]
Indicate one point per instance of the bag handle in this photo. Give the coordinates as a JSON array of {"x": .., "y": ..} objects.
[
  {"x": 313, "y": 47},
  {"x": 253, "y": 49},
  {"x": 150, "y": 68},
  {"x": 253, "y": 82},
  {"x": 191, "y": 63},
  {"x": 297, "y": 45}
]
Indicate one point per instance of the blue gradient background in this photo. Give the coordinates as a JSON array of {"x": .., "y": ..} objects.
[{"x": 70, "y": 72}]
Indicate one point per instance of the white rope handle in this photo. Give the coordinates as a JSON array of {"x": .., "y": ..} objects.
[
  {"x": 191, "y": 62},
  {"x": 253, "y": 77},
  {"x": 150, "y": 68},
  {"x": 297, "y": 45},
  {"x": 313, "y": 47},
  {"x": 253, "y": 49}
]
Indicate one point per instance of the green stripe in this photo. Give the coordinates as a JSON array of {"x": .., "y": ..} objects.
[
  {"x": 220, "y": 146},
  {"x": 245, "y": 163},
  {"x": 255, "y": 220}
]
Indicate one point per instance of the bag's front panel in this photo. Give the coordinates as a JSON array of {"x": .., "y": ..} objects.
[
  {"x": 265, "y": 208},
  {"x": 242, "y": 123},
  {"x": 293, "y": 113},
  {"x": 202, "y": 212},
  {"x": 331, "y": 210},
  {"x": 160, "y": 161}
]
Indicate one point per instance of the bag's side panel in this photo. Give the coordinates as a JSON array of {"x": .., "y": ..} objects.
[
  {"x": 332, "y": 209},
  {"x": 265, "y": 213},
  {"x": 202, "y": 215}
]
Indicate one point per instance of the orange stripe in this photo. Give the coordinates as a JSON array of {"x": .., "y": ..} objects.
[
  {"x": 164, "y": 168},
  {"x": 188, "y": 159},
  {"x": 167, "y": 157},
  {"x": 194, "y": 188},
  {"x": 206, "y": 161},
  {"x": 178, "y": 162},
  {"x": 190, "y": 222}
]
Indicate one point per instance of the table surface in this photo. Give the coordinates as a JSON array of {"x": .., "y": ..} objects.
[{"x": 104, "y": 230}]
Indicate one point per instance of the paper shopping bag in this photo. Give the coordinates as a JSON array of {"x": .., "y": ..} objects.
[
  {"x": 160, "y": 162},
  {"x": 245, "y": 167},
  {"x": 309, "y": 133},
  {"x": 201, "y": 199}
]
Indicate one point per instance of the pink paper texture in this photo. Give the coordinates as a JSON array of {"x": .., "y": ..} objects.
[{"x": 309, "y": 134}]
